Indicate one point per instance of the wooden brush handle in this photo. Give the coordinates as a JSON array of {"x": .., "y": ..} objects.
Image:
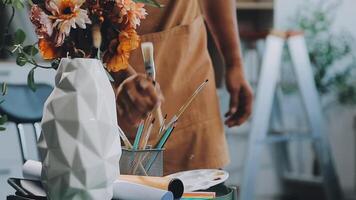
[
  {"x": 159, "y": 115},
  {"x": 170, "y": 184}
]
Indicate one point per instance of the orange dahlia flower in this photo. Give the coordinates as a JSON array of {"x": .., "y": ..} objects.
[
  {"x": 47, "y": 49},
  {"x": 128, "y": 41}
]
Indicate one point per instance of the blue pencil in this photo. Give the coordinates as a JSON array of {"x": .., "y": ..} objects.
[
  {"x": 160, "y": 145},
  {"x": 138, "y": 135},
  {"x": 165, "y": 137}
]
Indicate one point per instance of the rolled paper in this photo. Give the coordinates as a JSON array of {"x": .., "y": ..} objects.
[
  {"x": 133, "y": 191},
  {"x": 32, "y": 170},
  {"x": 165, "y": 183},
  {"x": 123, "y": 189}
]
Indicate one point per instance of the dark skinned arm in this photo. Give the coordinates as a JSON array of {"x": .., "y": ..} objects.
[{"x": 222, "y": 22}]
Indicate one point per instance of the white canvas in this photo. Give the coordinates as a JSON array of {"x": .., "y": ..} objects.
[{"x": 79, "y": 145}]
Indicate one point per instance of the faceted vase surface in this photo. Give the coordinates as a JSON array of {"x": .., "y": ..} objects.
[{"x": 80, "y": 145}]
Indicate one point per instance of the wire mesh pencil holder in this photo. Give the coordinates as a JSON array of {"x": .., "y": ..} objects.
[{"x": 147, "y": 162}]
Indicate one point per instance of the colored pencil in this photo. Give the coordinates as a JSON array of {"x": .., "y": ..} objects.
[
  {"x": 165, "y": 137},
  {"x": 147, "y": 134},
  {"x": 138, "y": 135}
]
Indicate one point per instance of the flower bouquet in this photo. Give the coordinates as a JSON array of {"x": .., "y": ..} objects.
[
  {"x": 85, "y": 28},
  {"x": 79, "y": 145}
]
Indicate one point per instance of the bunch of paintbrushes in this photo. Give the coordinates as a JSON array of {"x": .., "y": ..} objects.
[
  {"x": 144, "y": 131},
  {"x": 145, "y": 128}
]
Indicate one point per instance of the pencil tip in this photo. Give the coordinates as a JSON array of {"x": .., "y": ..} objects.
[
  {"x": 153, "y": 121},
  {"x": 165, "y": 116},
  {"x": 206, "y": 80}
]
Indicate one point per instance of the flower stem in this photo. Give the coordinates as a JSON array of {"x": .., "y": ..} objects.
[
  {"x": 33, "y": 62},
  {"x": 10, "y": 20}
]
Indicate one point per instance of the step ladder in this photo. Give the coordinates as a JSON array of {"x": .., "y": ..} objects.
[{"x": 267, "y": 111}]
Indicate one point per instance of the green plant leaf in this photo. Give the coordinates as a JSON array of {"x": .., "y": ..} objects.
[
  {"x": 2, "y": 128},
  {"x": 30, "y": 50},
  {"x": 20, "y": 36},
  {"x": 31, "y": 80},
  {"x": 3, "y": 119},
  {"x": 55, "y": 63},
  {"x": 21, "y": 59},
  {"x": 4, "y": 89},
  {"x": 19, "y": 4}
]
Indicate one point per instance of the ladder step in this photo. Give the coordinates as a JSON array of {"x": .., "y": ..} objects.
[
  {"x": 303, "y": 179},
  {"x": 303, "y": 187},
  {"x": 290, "y": 131},
  {"x": 286, "y": 138}
]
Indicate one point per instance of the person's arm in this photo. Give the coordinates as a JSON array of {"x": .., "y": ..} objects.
[{"x": 222, "y": 22}]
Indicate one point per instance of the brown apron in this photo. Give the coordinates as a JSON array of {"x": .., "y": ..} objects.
[{"x": 182, "y": 62}]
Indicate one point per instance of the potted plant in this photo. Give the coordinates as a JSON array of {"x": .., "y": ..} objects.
[{"x": 331, "y": 53}]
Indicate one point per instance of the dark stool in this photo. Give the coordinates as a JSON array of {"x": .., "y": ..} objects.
[{"x": 23, "y": 106}]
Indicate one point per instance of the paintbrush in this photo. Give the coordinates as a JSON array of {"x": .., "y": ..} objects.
[
  {"x": 162, "y": 126},
  {"x": 124, "y": 138},
  {"x": 150, "y": 68},
  {"x": 165, "y": 137},
  {"x": 147, "y": 135},
  {"x": 160, "y": 144},
  {"x": 187, "y": 104},
  {"x": 138, "y": 135}
]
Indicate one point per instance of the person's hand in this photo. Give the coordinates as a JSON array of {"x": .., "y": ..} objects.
[
  {"x": 241, "y": 97},
  {"x": 135, "y": 98}
]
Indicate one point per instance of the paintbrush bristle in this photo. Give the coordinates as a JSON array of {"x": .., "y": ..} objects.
[{"x": 147, "y": 53}]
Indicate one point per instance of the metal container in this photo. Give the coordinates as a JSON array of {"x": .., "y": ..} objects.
[{"x": 147, "y": 162}]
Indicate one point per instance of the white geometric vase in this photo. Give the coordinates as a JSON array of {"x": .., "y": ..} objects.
[{"x": 79, "y": 145}]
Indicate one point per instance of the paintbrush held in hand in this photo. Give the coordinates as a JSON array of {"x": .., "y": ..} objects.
[
  {"x": 150, "y": 68},
  {"x": 148, "y": 60},
  {"x": 144, "y": 131}
]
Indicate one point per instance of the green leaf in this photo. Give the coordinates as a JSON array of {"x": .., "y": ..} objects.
[
  {"x": 4, "y": 89},
  {"x": 20, "y": 36},
  {"x": 55, "y": 63},
  {"x": 21, "y": 59},
  {"x": 19, "y": 4},
  {"x": 2, "y": 128},
  {"x": 31, "y": 80},
  {"x": 3, "y": 119},
  {"x": 30, "y": 50}
]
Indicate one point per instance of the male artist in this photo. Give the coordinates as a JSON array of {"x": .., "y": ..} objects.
[{"x": 182, "y": 60}]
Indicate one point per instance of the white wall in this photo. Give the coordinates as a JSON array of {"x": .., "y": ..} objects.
[
  {"x": 340, "y": 118},
  {"x": 345, "y": 17}
]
